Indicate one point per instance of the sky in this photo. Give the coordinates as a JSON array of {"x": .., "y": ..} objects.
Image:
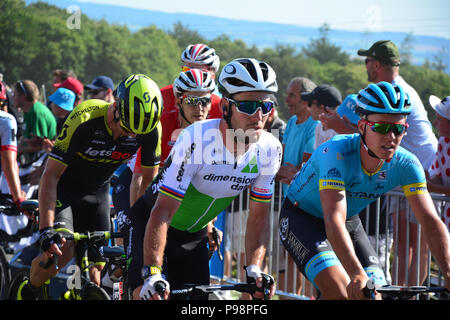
[{"x": 421, "y": 17}]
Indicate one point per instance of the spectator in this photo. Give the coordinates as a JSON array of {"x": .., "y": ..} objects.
[
  {"x": 323, "y": 98},
  {"x": 382, "y": 64},
  {"x": 75, "y": 86},
  {"x": 102, "y": 88},
  {"x": 298, "y": 139},
  {"x": 343, "y": 120},
  {"x": 298, "y": 144},
  {"x": 62, "y": 103},
  {"x": 60, "y": 75},
  {"x": 439, "y": 177},
  {"x": 38, "y": 119}
]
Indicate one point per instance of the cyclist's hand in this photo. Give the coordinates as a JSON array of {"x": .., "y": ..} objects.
[
  {"x": 18, "y": 204},
  {"x": 264, "y": 282},
  {"x": 214, "y": 239},
  {"x": 355, "y": 289},
  {"x": 150, "y": 290},
  {"x": 50, "y": 242}
]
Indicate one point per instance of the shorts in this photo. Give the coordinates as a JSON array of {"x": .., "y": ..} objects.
[
  {"x": 186, "y": 256},
  {"x": 304, "y": 237},
  {"x": 83, "y": 211}
]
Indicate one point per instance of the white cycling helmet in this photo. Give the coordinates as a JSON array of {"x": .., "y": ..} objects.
[
  {"x": 202, "y": 55},
  {"x": 245, "y": 75},
  {"x": 193, "y": 80}
]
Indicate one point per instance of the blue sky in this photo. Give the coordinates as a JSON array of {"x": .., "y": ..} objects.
[{"x": 424, "y": 17}]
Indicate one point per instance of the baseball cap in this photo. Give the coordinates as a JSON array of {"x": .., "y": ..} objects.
[
  {"x": 442, "y": 107},
  {"x": 63, "y": 98},
  {"x": 324, "y": 94},
  {"x": 384, "y": 51},
  {"x": 100, "y": 82},
  {"x": 71, "y": 84}
]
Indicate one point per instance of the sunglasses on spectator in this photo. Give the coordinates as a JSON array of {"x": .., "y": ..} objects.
[
  {"x": 195, "y": 101},
  {"x": 22, "y": 87},
  {"x": 95, "y": 92},
  {"x": 386, "y": 127},
  {"x": 250, "y": 107},
  {"x": 367, "y": 60}
]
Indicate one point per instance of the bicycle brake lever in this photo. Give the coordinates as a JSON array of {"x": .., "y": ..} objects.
[
  {"x": 160, "y": 288},
  {"x": 52, "y": 260}
]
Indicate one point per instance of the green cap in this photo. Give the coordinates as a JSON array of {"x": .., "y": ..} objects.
[{"x": 384, "y": 51}]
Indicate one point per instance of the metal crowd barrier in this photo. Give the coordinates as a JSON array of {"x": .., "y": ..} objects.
[{"x": 385, "y": 241}]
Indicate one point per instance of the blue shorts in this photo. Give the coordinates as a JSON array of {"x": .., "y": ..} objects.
[{"x": 304, "y": 237}]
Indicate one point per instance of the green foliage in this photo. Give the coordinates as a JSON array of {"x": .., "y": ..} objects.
[{"x": 36, "y": 40}]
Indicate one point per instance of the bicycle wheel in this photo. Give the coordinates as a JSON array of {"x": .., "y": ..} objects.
[
  {"x": 90, "y": 291},
  {"x": 5, "y": 274},
  {"x": 19, "y": 277}
]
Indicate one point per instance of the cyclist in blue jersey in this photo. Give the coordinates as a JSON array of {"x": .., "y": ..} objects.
[{"x": 319, "y": 222}]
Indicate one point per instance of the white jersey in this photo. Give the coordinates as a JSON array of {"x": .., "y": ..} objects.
[
  {"x": 8, "y": 131},
  {"x": 206, "y": 177},
  {"x": 419, "y": 139}
]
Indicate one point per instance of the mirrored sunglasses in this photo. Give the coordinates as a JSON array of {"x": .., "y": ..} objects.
[
  {"x": 250, "y": 107},
  {"x": 386, "y": 127},
  {"x": 195, "y": 101}
]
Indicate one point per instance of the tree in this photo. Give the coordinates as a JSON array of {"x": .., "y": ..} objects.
[{"x": 323, "y": 50}]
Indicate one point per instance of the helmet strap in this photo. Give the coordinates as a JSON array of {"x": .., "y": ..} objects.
[
  {"x": 370, "y": 152},
  {"x": 227, "y": 116},
  {"x": 183, "y": 114},
  {"x": 116, "y": 119}
]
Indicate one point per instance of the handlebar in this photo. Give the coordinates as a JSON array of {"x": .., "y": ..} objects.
[
  {"x": 399, "y": 292},
  {"x": 92, "y": 237}
]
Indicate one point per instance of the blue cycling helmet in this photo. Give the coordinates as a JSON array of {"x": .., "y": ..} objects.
[{"x": 383, "y": 97}]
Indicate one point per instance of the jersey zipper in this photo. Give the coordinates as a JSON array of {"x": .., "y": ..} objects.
[{"x": 204, "y": 214}]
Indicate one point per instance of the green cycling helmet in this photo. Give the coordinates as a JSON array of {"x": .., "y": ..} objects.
[{"x": 139, "y": 103}]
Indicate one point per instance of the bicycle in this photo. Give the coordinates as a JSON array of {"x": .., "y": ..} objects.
[
  {"x": 10, "y": 209},
  {"x": 391, "y": 292},
  {"x": 79, "y": 284}
]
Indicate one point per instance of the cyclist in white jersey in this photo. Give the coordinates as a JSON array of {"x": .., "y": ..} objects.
[
  {"x": 210, "y": 166},
  {"x": 8, "y": 152},
  {"x": 319, "y": 223}
]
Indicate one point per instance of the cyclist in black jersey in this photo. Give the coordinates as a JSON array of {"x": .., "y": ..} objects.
[{"x": 95, "y": 140}]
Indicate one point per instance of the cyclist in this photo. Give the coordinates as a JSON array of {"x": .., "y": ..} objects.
[
  {"x": 8, "y": 152},
  {"x": 95, "y": 140},
  {"x": 319, "y": 223},
  {"x": 193, "y": 90},
  {"x": 211, "y": 163},
  {"x": 197, "y": 56}
]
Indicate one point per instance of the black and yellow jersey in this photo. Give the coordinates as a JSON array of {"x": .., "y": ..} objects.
[{"x": 86, "y": 145}]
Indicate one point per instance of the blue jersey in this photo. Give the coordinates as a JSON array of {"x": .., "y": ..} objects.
[{"x": 336, "y": 165}]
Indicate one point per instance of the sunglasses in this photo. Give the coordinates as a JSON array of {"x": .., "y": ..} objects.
[
  {"x": 195, "y": 101},
  {"x": 22, "y": 87},
  {"x": 250, "y": 107},
  {"x": 367, "y": 60},
  {"x": 95, "y": 92},
  {"x": 386, "y": 127},
  {"x": 186, "y": 68}
]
